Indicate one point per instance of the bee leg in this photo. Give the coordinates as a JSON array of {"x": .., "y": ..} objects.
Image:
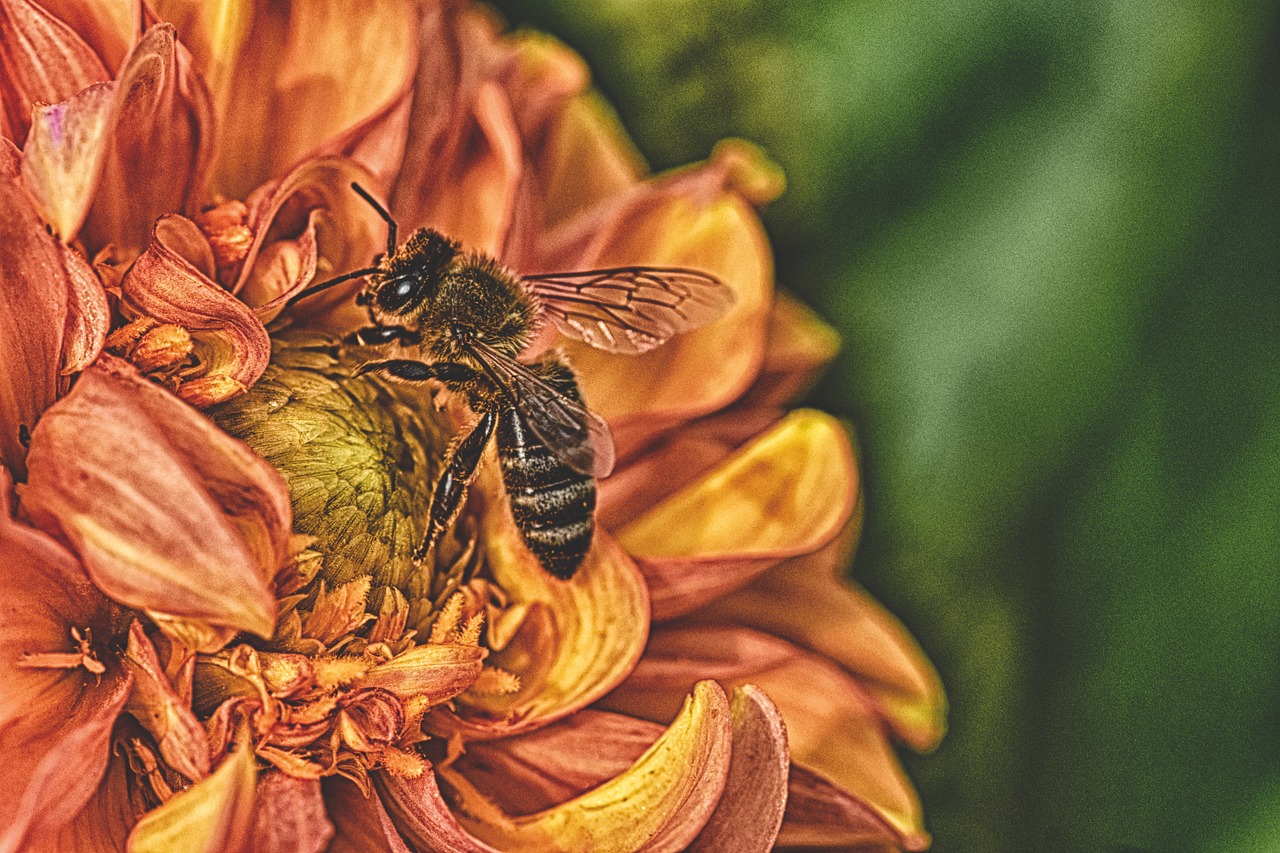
[
  {"x": 449, "y": 372},
  {"x": 371, "y": 336},
  {"x": 460, "y": 467}
]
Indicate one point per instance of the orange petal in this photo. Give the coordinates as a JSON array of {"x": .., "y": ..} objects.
[
  {"x": 158, "y": 708},
  {"x": 313, "y": 203},
  {"x": 55, "y": 723},
  {"x": 586, "y": 159},
  {"x": 798, "y": 347},
  {"x": 832, "y": 724},
  {"x": 213, "y": 816},
  {"x": 750, "y": 812},
  {"x": 660, "y": 803},
  {"x": 88, "y": 314},
  {"x": 43, "y": 61},
  {"x": 302, "y": 75},
  {"x": 215, "y": 32},
  {"x": 361, "y": 824},
  {"x": 33, "y": 314},
  {"x": 435, "y": 671},
  {"x": 159, "y": 144},
  {"x": 822, "y": 814},
  {"x": 787, "y": 492},
  {"x": 104, "y": 823},
  {"x": 109, "y": 28},
  {"x": 589, "y": 635},
  {"x": 169, "y": 514},
  {"x": 230, "y": 341},
  {"x": 289, "y": 816},
  {"x": 806, "y": 601},
  {"x": 699, "y": 219},
  {"x": 421, "y": 816},
  {"x": 534, "y": 771}
]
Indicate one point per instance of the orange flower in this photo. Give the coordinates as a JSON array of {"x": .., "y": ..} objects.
[{"x": 245, "y": 687}]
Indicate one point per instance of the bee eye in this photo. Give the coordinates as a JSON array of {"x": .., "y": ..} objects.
[{"x": 400, "y": 295}]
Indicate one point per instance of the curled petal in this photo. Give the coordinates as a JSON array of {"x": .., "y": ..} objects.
[
  {"x": 302, "y": 75},
  {"x": 788, "y": 492},
  {"x": 33, "y": 314},
  {"x": 434, "y": 671},
  {"x": 212, "y": 816},
  {"x": 289, "y": 816},
  {"x": 231, "y": 342},
  {"x": 158, "y": 708},
  {"x": 422, "y": 818},
  {"x": 755, "y": 795},
  {"x": 588, "y": 635},
  {"x": 697, "y": 219},
  {"x": 168, "y": 513},
  {"x": 832, "y": 722},
  {"x": 159, "y": 144},
  {"x": 88, "y": 314},
  {"x": 660, "y": 803},
  {"x": 42, "y": 60},
  {"x": 806, "y": 601}
]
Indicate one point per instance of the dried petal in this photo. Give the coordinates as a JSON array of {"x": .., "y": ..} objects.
[
  {"x": 659, "y": 804},
  {"x": 159, "y": 144},
  {"x": 788, "y": 492},
  {"x": 421, "y": 816},
  {"x": 435, "y": 672},
  {"x": 361, "y": 824},
  {"x": 232, "y": 343},
  {"x": 155, "y": 704},
  {"x": 289, "y": 816},
  {"x": 42, "y": 60},
  {"x": 88, "y": 315},
  {"x": 212, "y": 816},
  {"x": 168, "y": 513}
]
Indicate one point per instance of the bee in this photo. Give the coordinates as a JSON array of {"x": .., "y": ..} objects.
[{"x": 470, "y": 319}]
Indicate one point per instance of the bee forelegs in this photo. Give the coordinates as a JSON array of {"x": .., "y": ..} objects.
[
  {"x": 459, "y": 469},
  {"x": 448, "y": 372}
]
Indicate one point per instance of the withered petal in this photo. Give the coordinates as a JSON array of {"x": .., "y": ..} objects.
[
  {"x": 289, "y": 816},
  {"x": 589, "y": 635},
  {"x": 436, "y": 672},
  {"x": 232, "y": 343},
  {"x": 169, "y": 514},
  {"x": 158, "y": 708},
  {"x": 212, "y": 816},
  {"x": 787, "y": 492},
  {"x": 88, "y": 314},
  {"x": 42, "y": 60},
  {"x": 421, "y": 816},
  {"x": 33, "y": 314},
  {"x": 301, "y": 76},
  {"x": 361, "y": 824},
  {"x": 660, "y": 803},
  {"x": 159, "y": 144},
  {"x": 750, "y": 811}
]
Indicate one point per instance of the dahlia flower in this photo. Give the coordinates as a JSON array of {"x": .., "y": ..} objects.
[{"x": 216, "y": 633}]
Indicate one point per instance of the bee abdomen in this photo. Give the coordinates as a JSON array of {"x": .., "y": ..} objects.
[{"x": 553, "y": 505}]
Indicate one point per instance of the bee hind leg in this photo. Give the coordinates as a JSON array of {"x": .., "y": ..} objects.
[{"x": 451, "y": 488}]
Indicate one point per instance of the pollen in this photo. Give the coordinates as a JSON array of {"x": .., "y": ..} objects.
[{"x": 226, "y": 227}]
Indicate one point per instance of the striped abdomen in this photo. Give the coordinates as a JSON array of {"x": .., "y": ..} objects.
[{"x": 553, "y": 505}]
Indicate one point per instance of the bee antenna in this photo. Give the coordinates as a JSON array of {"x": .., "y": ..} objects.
[
  {"x": 382, "y": 211},
  {"x": 325, "y": 285}
]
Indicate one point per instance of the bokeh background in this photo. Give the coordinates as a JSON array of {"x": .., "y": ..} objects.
[{"x": 1047, "y": 233}]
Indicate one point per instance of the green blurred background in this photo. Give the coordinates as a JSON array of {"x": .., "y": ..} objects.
[{"x": 1048, "y": 235}]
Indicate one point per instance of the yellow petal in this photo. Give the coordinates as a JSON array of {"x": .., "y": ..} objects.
[
  {"x": 588, "y": 635},
  {"x": 215, "y": 31},
  {"x": 213, "y": 816},
  {"x": 788, "y": 492},
  {"x": 659, "y": 804},
  {"x": 799, "y": 346}
]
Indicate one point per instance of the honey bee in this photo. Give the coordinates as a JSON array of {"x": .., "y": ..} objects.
[{"x": 471, "y": 318}]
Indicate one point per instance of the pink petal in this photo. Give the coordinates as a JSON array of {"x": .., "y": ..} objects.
[
  {"x": 289, "y": 816},
  {"x": 42, "y": 61},
  {"x": 169, "y": 514},
  {"x": 103, "y": 825},
  {"x": 755, "y": 794},
  {"x": 167, "y": 286},
  {"x": 159, "y": 146}
]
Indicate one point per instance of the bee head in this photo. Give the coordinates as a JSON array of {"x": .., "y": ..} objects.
[{"x": 410, "y": 277}]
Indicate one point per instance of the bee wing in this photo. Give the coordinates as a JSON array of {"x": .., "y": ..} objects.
[
  {"x": 631, "y": 310},
  {"x": 577, "y": 436}
]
